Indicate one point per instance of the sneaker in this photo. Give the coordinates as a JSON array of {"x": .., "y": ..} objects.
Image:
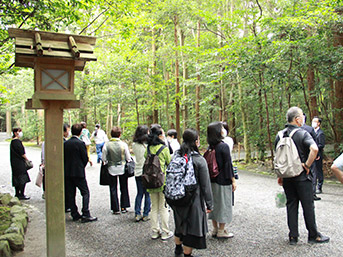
[
  {"x": 138, "y": 218},
  {"x": 319, "y": 191},
  {"x": 85, "y": 219},
  {"x": 116, "y": 212},
  {"x": 166, "y": 236},
  {"x": 224, "y": 234},
  {"x": 123, "y": 210},
  {"x": 145, "y": 218},
  {"x": 155, "y": 235},
  {"x": 316, "y": 198},
  {"x": 319, "y": 239},
  {"x": 293, "y": 240}
]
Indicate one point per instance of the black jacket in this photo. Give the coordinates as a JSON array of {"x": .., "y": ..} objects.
[
  {"x": 75, "y": 158},
  {"x": 320, "y": 139}
]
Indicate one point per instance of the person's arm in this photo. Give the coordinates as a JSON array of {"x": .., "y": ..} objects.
[
  {"x": 127, "y": 152},
  {"x": 84, "y": 155},
  {"x": 321, "y": 141},
  {"x": 311, "y": 157},
  {"x": 205, "y": 183},
  {"x": 104, "y": 154},
  {"x": 337, "y": 172}
]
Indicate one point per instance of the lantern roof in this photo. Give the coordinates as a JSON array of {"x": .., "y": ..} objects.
[{"x": 30, "y": 44}]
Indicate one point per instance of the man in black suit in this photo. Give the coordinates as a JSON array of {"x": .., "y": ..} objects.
[
  {"x": 299, "y": 188},
  {"x": 310, "y": 130},
  {"x": 75, "y": 161},
  {"x": 320, "y": 139}
]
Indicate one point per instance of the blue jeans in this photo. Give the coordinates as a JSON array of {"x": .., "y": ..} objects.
[
  {"x": 99, "y": 151},
  {"x": 141, "y": 191}
]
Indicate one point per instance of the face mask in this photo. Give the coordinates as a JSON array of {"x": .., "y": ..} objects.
[
  {"x": 69, "y": 133},
  {"x": 224, "y": 133},
  {"x": 20, "y": 134},
  {"x": 314, "y": 124}
]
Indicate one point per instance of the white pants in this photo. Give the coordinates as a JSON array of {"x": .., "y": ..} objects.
[{"x": 158, "y": 206}]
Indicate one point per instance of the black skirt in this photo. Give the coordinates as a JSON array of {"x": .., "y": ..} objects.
[{"x": 193, "y": 241}]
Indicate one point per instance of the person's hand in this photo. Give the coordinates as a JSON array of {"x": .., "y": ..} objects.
[
  {"x": 208, "y": 210},
  {"x": 234, "y": 186},
  {"x": 280, "y": 181},
  {"x": 307, "y": 169}
]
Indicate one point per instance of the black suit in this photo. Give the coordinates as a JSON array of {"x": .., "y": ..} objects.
[
  {"x": 75, "y": 161},
  {"x": 320, "y": 139}
]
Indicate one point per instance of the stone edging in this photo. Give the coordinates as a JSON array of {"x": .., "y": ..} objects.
[{"x": 13, "y": 238}]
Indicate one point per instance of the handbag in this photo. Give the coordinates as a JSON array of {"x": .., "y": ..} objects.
[
  {"x": 28, "y": 164},
  {"x": 104, "y": 175},
  {"x": 39, "y": 179},
  {"x": 130, "y": 168}
]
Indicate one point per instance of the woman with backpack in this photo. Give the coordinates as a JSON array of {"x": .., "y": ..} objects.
[
  {"x": 223, "y": 184},
  {"x": 190, "y": 220},
  {"x": 156, "y": 144},
  {"x": 139, "y": 147},
  {"x": 115, "y": 152}
]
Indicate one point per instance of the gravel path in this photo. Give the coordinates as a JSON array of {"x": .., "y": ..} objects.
[{"x": 260, "y": 228}]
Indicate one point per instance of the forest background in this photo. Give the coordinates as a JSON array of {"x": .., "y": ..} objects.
[{"x": 186, "y": 63}]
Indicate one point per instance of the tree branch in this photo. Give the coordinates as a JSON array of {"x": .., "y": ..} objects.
[
  {"x": 259, "y": 6},
  {"x": 93, "y": 21},
  {"x": 2, "y": 72},
  {"x": 214, "y": 32}
]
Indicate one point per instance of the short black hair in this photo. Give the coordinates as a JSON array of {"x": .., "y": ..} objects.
[
  {"x": 172, "y": 133},
  {"x": 190, "y": 136},
  {"x": 65, "y": 127},
  {"x": 155, "y": 131},
  {"x": 214, "y": 133},
  {"x": 319, "y": 119},
  {"x": 14, "y": 130},
  {"x": 141, "y": 134},
  {"x": 226, "y": 126},
  {"x": 76, "y": 129}
]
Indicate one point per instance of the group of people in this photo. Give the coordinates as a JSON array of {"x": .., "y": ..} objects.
[{"x": 213, "y": 197}]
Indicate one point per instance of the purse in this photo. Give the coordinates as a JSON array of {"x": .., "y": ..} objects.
[
  {"x": 130, "y": 168},
  {"x": 104, "y": 175},
  {"x": 28, "y": 164},
  {"x": 39, "y": 179}
]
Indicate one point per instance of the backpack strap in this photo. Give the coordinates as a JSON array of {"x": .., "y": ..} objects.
[
  {"x": 293, "y": 132},
  {"x": 148, "y": 148},
  {"x": 160, "y": 150}
]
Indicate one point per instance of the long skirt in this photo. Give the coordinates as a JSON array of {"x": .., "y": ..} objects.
[{"x": 222, "y": 203}]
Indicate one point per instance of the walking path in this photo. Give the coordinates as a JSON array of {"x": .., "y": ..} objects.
[{"x": 260, "y": 228}]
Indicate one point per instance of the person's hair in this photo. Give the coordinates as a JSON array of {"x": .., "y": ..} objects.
[
  {"x": 155, "y": 132},
  {"x": 214, "y": 133},
  {"x": 305, "y": 117},
  {"x": 15, "y": 130},
  {"x": 188, "y": 145},
  {"x": 172, "y": 133},
  {"x": 226, "y": 126},
  {"x": 76, "y": 129},
  {"x": 65, "y": 127},
  {"x": 319, "y": 119},
  {"x": 83, "y": 124},
  {"x": 115, "y": 132},
  {"x": 141, "y": 134},
  {"x": 293, "y": 113},
  {"x": 97, "y": 126}
]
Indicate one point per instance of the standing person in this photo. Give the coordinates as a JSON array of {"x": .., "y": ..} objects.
[
  {"x": 320, "y": 139},
  {"x": 115, "y": 152},
  {"x": 224, "y": 184},
  {"x": 172, "y": 140},
  {"x": 310, "y": 130},
  {"x": 158, "y": 203},
  {"x": 228, "y": 140},
  {"x": 86, "y": 138},
  {"x": 139, "y": 146},
  {"x": 100, "y": 138},
  {"x": 191, "y": 221},
  {"x": 66, "y": 135},
  {"x": 337, "y": 168},
  {"x": 75, "y": 162},
  {"x": 299, "y": 188},
  {"x": 18, "y": 157}
]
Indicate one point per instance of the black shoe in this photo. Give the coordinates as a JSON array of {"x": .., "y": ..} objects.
[
  {"x": 293, "y": 240},
  {"x": 77, "y": 218},
  {"x": 316, "y": 198},
  {"x": 319, "y": 191},
  {"x": 319, "y": 239},
  {"x": 67, "y": 210},
  {"x": 178, "y": 250},
  {"x": 24, "y": 197},
  {"x": 88, "y": 219}
]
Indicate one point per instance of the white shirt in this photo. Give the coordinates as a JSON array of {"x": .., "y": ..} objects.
[
  {"x": 100, "y": 137},
  {"x": 174, "y": 144},
  {"x": 229, "y": 142}
]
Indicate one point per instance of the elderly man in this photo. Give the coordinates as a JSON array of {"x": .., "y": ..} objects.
[
  {"x": 337, "y": 168},
  {"x": 299, "y": 188}
]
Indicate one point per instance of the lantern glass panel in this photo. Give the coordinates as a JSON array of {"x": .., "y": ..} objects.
[{"x": 53, "y": 79}]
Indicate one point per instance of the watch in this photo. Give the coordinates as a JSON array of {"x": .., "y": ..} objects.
[{"x": 306, "y": 165}]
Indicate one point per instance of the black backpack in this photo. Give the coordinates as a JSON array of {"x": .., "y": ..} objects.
[{"x": 153, "y": 176}]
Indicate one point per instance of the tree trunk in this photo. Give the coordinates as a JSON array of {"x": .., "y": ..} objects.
[
  {"x": 153, "y": 73},
  {"x": 197, "y": 86},
  {"x": 184, "y": 86},
  {"x": 136, "y": 101},
  {"x": 177, "y": 81},
  {"x": 8, "y": 120},
  {"x": 268, "y": 128},
  {"x": 83, "y": 110},
  {"x": 312, "y": 93},
  {"x": 245, "y": 125},
  {"x": 109, "y": 120}
]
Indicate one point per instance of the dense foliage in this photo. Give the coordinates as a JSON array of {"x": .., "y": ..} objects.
[{"x": 241, "y": 61}]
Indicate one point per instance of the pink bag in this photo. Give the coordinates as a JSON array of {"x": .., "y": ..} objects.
[{"x": 39, "y": 179}]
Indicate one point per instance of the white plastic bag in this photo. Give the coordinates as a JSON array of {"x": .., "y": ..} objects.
[{"x": 280, "y": 199}]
